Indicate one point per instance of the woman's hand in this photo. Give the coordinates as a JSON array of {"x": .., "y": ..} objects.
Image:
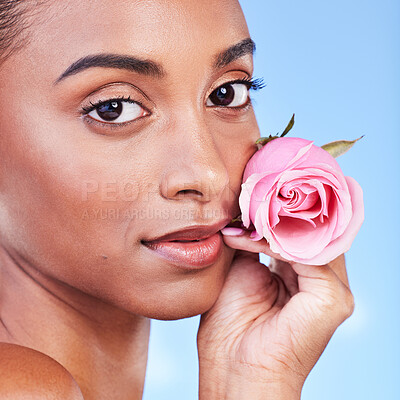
[{"x": 269, "y": 326}]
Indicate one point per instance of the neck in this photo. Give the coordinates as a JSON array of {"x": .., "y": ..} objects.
[{"x": 103, "y": 347}]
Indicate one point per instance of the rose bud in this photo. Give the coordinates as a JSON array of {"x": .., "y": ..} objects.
[{"x": 295, "y": 195}]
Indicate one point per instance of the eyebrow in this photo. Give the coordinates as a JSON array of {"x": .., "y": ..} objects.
[
  {"x": 106, "y": 60},
  {"x": 238, "y": 50},
  {"x": 149, "y": 67}
]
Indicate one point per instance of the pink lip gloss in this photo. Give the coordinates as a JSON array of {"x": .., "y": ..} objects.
[{"x": 190, "y": 254}]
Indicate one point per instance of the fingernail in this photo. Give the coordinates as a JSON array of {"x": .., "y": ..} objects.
[{"x": 230, "y": 231}]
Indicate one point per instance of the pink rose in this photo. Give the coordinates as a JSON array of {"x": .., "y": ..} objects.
[{"x": 295, "y": 195}]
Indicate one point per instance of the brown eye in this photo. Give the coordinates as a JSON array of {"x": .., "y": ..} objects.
[
  {"x": 230, "y": 94},
  {"x": 117, "y": 111},
  {"x": 109, "y": 111}
]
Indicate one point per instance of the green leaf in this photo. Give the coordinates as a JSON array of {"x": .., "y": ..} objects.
[
  {"x": 339, "y": 147},
  {"x": 289, "y": 127},
  {"x": 262, "y": 141},
  {"x": 237, "y": 219}
]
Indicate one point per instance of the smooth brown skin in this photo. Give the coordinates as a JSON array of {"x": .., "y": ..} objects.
[
  {"x": 60, "y": 295},
  {"x": 29, "y": 374},
  {"x": 77, "y": 284}
]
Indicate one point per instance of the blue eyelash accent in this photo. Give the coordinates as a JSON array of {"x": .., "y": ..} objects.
[{"x": 251, "y": 83}]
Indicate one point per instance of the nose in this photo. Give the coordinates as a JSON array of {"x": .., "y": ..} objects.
[{"x": 195, "y": 169}]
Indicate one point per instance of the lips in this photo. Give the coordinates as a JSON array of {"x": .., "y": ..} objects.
[
  {"x": 194, "y": 247},
  {"x": 186, "y": 241},
  {"x": 190, "y": 233},
  {"x": 189, "y": 254}
]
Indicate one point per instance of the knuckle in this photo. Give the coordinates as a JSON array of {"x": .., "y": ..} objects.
[
  {"x": 341, "y": 302},
  {"x": 349, "y": 304}
]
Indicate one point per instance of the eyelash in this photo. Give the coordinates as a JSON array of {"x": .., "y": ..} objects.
[
  {"x": 87, "y": 110},
  {"x": 251, "y": 83}
]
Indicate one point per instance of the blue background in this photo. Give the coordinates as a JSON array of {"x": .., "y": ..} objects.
[{"x": 336, "y": 66}]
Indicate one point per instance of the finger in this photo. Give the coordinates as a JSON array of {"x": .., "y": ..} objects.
[
  {"x": 243, "y": 242},
  {"x": 246, "y": 277},
  {"x": 338, "y": 265},
  {"x": 287, "y": 274},
  {"x": 246, "y": 254},
  {"x": 322, "y": 282},
  {"x": 315, "y": 278},
  {"x": 240, "y": 239}
]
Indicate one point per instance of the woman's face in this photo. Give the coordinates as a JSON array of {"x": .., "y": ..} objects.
[{"x": 82, "y": 187}]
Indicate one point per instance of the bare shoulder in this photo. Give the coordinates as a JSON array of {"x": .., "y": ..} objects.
[{"x": 27, "y": 373}]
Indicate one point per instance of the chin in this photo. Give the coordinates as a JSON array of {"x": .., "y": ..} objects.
[
  {"x": 183, "y": 310},
  {"x": 185, "y": 303},
  {"x": 193, "y": 295}
]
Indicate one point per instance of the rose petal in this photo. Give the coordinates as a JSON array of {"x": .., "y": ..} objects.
[
  {"x": 311, "y": 174},
  {"x": 303, "y": 215},
  {"x": 343, "y": 242},
  {"x": 271, "y": 159},
  {"x": 260, "y": 192},
  {"x": 255, "y": 236},
  {"x": 343, "y": 210},
  {"x": 275, "y": 208},
  {"x": 302, "y": 202},
  {"x": 299, "y": 157},
  {"x": 261, "y": 219},
  {"x": 300, "y": 239},
  {"x": 245, "y": 196}
]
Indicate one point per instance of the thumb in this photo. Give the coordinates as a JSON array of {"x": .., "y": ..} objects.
[
  {"x": 239, "y": 239},
  {"x": 326, "y": 288}
]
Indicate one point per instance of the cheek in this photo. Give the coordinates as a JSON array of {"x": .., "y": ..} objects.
[
  {"x": 62, "y": 202},
  {"x": 236, "y": 144}
]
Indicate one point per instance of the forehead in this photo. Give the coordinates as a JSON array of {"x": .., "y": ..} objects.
[{"x": 157, "y": 29}]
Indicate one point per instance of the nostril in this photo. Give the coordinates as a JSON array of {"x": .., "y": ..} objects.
[{"x": 189, "y": 191}]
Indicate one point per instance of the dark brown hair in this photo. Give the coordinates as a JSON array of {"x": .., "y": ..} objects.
[{"x": 15, "y": 19}]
